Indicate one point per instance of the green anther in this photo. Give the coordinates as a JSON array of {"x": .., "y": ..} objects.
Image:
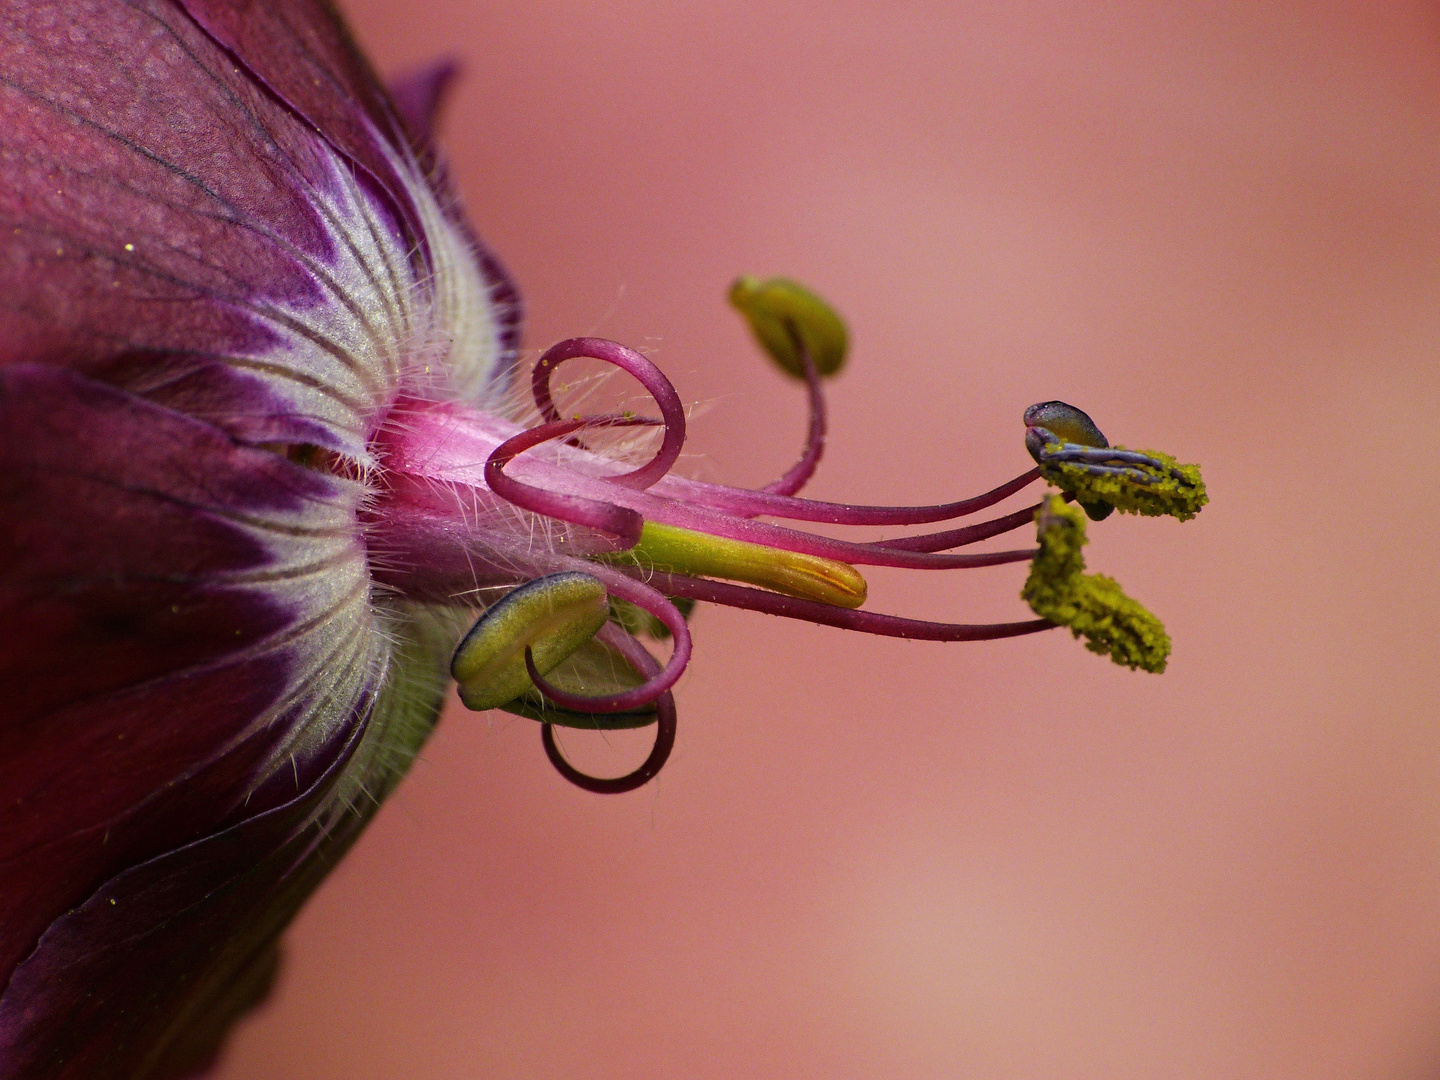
[
  {"x": 593, "y": 670},
  {"x": 554, "y": 616},
  {"x": 682, "y": 551},
  {"x": 1091, "y": 605},
  {"x": 1066, "y": 423},
  {"x": 779, "y": 311},
  {"x": 1164, "y": 488}
]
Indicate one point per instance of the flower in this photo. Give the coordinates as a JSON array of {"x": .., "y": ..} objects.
[{"x": 260, "y": 465}]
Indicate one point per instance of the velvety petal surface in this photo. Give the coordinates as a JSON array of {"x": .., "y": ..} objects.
[
  {"x": 220, "y": 246},
  {"x": 98, "y": 996},
  {"x": 186, "y": 629},
  {"x": 174, "y": 227}
]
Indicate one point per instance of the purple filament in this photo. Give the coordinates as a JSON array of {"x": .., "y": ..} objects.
[
  {"x": 618, "y": 521},
  {"x": 672, "y": 410},
  {"x": 642, "y": 596},
  {"x": 798, "y": 475},
  {"x": 753, "y": 503},
  {"x": 624, "y": 512},
  {"x": 637, "y": 655},
  {"x": 869, "y": 622},
  {"x": 970, "y": 534}
]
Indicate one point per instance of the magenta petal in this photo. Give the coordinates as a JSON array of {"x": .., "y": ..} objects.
[
  {"x": 301, "y": 50},
  {"x": 165, "y": 225},
  {"x": 304, "y": 54},
  {"x": 185, "y": 633},
  {"x": 173, "y": 226},
  {"x": 418, "y": 96},
  {"x": 145, "y": 976}
]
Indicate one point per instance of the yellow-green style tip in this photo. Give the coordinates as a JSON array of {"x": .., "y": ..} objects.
[
  {"x": 683, "y": 551},
  {"x": 786, "y": 317},
  {"x": 1093, "y": 606}
]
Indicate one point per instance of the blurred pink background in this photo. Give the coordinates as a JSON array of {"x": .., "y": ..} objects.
[{"x": 1216, "y": 227}]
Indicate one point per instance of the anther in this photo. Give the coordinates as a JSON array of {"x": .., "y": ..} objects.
[
  {"x": 1091, "y": 605},
  {"x": 551, "y": 617},
  {"x": 786, "y": 317},
  {"x": 1075, "y": 457}
]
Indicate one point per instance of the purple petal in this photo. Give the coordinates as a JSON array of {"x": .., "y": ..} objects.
[
  {"x": 302, "y": 51},
  {"x": 185, "y": 632},
  {"x": 175, "y": 229},
  {"x": 215, "y": 235},
  {"x": 145, "y": 976},
  {"x": 304, "y": 54},
  {"x": 418, "y": 96}
]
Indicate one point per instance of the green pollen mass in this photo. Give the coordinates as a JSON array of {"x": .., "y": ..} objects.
[
  {"x": 1167, "y": 488},
  {"x": 1091, "y": 605}
]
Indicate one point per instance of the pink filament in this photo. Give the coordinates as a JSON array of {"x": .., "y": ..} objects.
[
  {"x": 646, "y": 598},
  {"x": 799, "y": 474},
  {"x": 672, "y": 411}
]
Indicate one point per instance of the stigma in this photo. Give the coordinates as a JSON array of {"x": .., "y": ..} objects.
[{"x": 573, "y": 556}]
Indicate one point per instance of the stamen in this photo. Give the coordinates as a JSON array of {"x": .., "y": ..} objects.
[
  {"x": 703, "y": 519},
  {"x": 1066, "y": 422},
  {"x": 868, "y": 622},
  {"x": 1150, "y": 483},
  {"x": 1092, "y": 605},
  {"x": 1077, "y": 458},
  {"x": 672, "y": 411},
  {"x": 623, "y": 523},
  {"x": 622, "y": 517},
  {"x": 807, "y": 338},
  {"x": 799, "y": 474},
  {"x": 533, "y": 627},
  {"x": 748, "y": 503},
  {"x": 675, "y": 550},
  {"x": 1059, "y": 422},
  {"x": 657, "y": 604},
  {"x": 640, "y": 658},
  {"x": 649, "y": 542},
  {"x": 970, "y": 534},
  {"x": 786, "y": 317},
  {"x": 597, "y": 667}
]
